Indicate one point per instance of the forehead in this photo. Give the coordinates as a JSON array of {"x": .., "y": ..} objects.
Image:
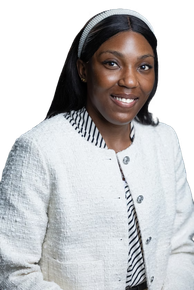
[{"x": 127, "y": 42}]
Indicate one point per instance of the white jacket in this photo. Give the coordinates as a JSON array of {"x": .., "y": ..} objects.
[{"x": 63, "y": 221}]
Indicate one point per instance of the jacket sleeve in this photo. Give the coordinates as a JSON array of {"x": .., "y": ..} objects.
[
  {"x": 180, "y": 270},
  {"x": 24, "y": 198}
]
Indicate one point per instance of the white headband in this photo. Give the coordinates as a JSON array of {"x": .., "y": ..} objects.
[{"x": 104, "y": 15}]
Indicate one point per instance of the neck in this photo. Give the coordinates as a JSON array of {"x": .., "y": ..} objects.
[{"x": 117, "y": 137}]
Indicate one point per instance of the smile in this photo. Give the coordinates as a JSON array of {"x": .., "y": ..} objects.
[{"x": 123, "y": 100}]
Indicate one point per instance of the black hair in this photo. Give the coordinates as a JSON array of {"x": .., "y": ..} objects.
[{"x": 71, "y": 92}]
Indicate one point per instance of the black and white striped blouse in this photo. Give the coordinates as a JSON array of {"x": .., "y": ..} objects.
[{"x": 84, "y": 125}]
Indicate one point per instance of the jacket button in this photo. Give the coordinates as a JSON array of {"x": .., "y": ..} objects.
[
  {"x": 152, "y": 279},
  {"x": 126, "y": 160},
  {"x": 192, "y": 238},
  {"x": 140, "y": 199}
]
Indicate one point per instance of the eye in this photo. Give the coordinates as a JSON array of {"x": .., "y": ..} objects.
[
  {"x": 145, "y": 67},
  {"x": 110, "y": 64}
]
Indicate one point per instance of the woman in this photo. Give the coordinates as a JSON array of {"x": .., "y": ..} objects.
[{"x": 96, "y": 196}]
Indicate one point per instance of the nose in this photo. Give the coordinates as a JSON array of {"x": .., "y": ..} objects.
[{"x": 128, "y": 78}]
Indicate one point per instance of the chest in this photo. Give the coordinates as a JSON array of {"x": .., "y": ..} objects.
[{"x": 87, "y": 190}]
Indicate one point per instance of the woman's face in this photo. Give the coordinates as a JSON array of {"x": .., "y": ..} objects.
[{"x": 120, "y": 77}]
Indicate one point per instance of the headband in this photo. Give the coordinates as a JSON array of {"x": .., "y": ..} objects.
[{"x": 104, "y": 15}]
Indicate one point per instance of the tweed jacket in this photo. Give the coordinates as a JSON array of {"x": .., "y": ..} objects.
[{"x": 63, "y": 221}]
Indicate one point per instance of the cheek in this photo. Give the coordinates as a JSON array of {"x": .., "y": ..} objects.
[
  {"x": 101, "y": 80},
  {"x": 147, "y": 84}
]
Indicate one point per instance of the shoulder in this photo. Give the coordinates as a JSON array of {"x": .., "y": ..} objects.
[
  {"x": 49, "y": 136},
  {"x": 46, "y": 127},
  {"x": 161, "y": 137},
  {"x": 49, "y": 130},
  {"x": 161, "y": 131}
]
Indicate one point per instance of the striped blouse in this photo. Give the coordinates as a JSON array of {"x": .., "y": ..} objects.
[{"x": 135, "y": 272}]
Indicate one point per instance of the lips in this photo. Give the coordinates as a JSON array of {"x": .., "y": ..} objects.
[
  {"x": 124, "y": 96},
  {"x": 124, "y": 100}
]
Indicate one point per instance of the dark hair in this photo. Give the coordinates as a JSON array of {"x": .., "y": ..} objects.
[{"x": 71, "y": 92}]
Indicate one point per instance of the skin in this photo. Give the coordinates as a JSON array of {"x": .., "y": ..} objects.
[{"x": 123, "y": 67}]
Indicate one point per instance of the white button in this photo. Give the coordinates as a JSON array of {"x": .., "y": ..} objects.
[
  {"x": 126, "y": 160},
  {"x": 140, "y": 199},
  {"x": 192, "y": 238}
]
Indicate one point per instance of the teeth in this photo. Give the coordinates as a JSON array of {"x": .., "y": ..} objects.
[{"x": 128, "y": 101}]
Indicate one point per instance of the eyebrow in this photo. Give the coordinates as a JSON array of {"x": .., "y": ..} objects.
[{"x": 118, "y": 54}]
